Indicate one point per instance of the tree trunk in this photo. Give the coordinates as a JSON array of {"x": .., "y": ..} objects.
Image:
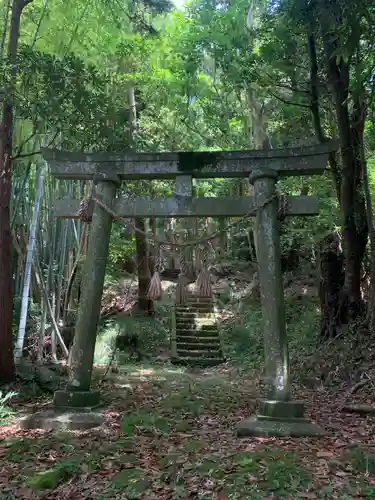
[
  {"x": 350, "y": 132},
  {"x": 329, "y": 259},
  {"x": 370, "y": 222},
  {"x": 355, "y": 229},
  {"x": 315, "y": 109},
  {"x": 153, "y": 256},
  {"x": 331, "y": 280},
  {"x": 144, "y": 304},
  {"x": 144, "y": 277},
  {"x": 7, "y": 369},
  {"x": 223, "y": 243}
]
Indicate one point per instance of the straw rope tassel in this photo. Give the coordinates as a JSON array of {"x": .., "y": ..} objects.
[{"x": 86, "y": 209}]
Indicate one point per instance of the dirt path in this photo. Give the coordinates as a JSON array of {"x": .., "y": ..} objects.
[{"x": 169, "y": 435}]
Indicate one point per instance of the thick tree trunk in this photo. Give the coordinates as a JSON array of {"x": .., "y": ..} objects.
[
  {"x": 355, "y": 229},
  {"x": 7, "y": 369},
  {"x": 340, "y": 303},
  {"x": 331, "y": 280},
  {"x": 350, "y": 132}
]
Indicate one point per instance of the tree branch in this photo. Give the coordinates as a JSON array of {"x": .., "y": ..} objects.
[
  {"x": 24, "y": 143},
  {"x": 315, "y": 110},
  {"x": 27, "y": 155},
  {"x": 285, "y": 101}
]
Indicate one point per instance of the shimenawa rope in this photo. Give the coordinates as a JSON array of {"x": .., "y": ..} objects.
[{"x": 203, "y": 282}]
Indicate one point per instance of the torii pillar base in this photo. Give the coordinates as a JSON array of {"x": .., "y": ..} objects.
[
  {"x": 279, "y": 419},
  {"x": 77, "y": 400}
]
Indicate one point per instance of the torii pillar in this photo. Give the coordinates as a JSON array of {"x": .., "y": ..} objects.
[
  {"x": 279, "y": 415},
  {"x": 78, "y": 393}
]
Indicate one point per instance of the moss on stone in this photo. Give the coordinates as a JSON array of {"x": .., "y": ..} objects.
[{"x": 188, "y": 162}]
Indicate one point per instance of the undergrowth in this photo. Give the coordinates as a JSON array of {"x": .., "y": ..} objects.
[
  {"x": 5, "y": 410},
  {"x": 244, "y": 341},
  {"x": 153, "y": 333},
  {"x": 313, "y": 361}
]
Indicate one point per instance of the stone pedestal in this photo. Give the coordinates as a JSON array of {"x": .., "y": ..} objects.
[
  {"x": 63, "y": 421},
  {"x": 83, "y": 400},
  {"x": 281, "y": 419}
]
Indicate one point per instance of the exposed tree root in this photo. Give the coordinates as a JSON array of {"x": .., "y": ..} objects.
[
  {"x": 361, "y": 409},
  {"x": 359, "y": 385}
]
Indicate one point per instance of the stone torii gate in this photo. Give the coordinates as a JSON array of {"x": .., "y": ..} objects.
[{"x": 279, "y": 415}]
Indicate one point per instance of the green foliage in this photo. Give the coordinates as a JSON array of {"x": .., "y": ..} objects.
[
  {"x": 245, "y": 340},
  {"x": 152, "y": 335},
  {"x": 183, "y": 404},
  {"x": 144, "y": 422},
  {"x": 362, "y": 460},
  {"x": 49, "y": 479},
  {"x": 282, "y": 472},
  {"x": 73, "y": 97},
  {"x": 133, "y": 482},
  {"x": 121, "y": 249},
  {"x": 5, "y": 411},
  {"x": 105, "y": 343},
  {"x": 18, "y": 448}
]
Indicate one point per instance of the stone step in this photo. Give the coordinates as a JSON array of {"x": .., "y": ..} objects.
[
  {"x": 200, "y": 309},
  {"x": 201, "y": 318},
  {"x": 193, "y": 300},
  {"x": 184, "y": 353},
  {"x": 187, "y": 325},
  {"x": 190, "y": 361},
  {"x": 180, "y": 332},
  {"x": 192, "y": 297},
  {"x": 187, "y": 316},
  {"x": 197, "y": 320},
  {"x": 198, "y": 303},
  {"x": 206, "y": 325},
  {"x": 198, "y": 328},
  {"x": 198, "y": 298},
  {"x": 197, "y": 340},
  {"x": 194, "y": 311},
  {"x": 198, "y": 345}
]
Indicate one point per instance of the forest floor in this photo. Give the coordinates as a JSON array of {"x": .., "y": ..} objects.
[{"x": 169, "y": 433}]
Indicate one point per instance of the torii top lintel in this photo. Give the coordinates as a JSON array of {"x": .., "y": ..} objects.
[{"x": 306, "y": 160}]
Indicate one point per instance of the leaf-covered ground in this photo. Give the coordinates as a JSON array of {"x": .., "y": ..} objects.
[{"x": 169, "y": 434}]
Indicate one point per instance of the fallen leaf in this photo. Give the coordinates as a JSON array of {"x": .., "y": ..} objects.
[{"x": 325, "y": 454}]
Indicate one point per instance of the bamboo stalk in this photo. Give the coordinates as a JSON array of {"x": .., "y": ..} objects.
[{"x": 29, "y": 261}]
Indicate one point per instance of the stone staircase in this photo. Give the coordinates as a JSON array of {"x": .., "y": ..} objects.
[{"x": 195, "y": 336}]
